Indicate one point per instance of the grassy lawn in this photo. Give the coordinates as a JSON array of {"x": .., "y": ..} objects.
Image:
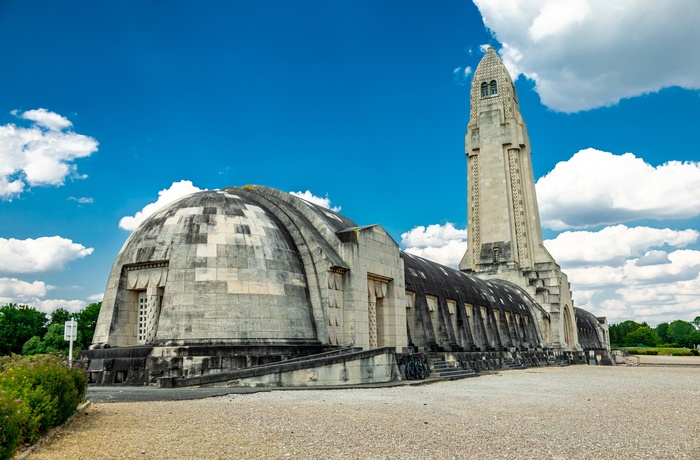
[{"x": 659, "y": 351}]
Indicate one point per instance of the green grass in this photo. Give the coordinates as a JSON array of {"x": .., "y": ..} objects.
[{"x": 659, "y": 351}]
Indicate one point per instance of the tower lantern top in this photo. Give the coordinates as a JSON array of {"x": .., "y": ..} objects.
[{"x": 492, "y": 84}]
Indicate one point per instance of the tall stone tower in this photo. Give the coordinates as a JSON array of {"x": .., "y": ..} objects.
[{"x": 504, "y": 231}]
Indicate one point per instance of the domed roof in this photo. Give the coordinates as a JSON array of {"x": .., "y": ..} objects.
[{"x": 225, "y": 268}]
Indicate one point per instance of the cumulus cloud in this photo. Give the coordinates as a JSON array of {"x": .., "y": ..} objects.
[
  {"x": 653, "y": 258},
  {"x": 652, "y": 292},
  {"x": 583, "y": 54},
  {"x": 443, "y": 244},
  {"x": 166, "y": 196},
  {"x": 594, "y": 277},
  {"x": 684, "y": 265},
  {"x": 13, "y": 290},
  {"x": 43, "y": 254},
  {"x": 619, "y": 272},
  {"x": 49, "y": 305},
  {"x": 46, "y": 119},
  {"x": 321, "y": 201},
  {"x": 614, "y": 245},
  {"x": 595, "y": 188},
  {"x": 96, "y": 297},
  {"x": 42, "y": 154}
]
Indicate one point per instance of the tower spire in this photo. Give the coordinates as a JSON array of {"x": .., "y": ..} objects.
[
  {"x": 504, "y": 222},
  {"x": 504, "y": 235}
]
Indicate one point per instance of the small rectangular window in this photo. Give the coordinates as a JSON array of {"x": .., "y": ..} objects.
[{"x": 143, "y": 307}]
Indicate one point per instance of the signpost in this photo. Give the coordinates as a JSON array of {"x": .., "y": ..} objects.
[{"x": 70, "y": 333}]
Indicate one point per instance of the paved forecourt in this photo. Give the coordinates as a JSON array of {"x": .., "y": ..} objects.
[{"x": 575, "y": 412}]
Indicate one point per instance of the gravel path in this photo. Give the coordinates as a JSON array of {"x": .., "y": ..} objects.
[{"x": 576, "y": 412}]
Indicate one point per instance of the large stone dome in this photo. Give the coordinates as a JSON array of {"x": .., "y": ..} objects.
[{"x": 232, "y": 272}]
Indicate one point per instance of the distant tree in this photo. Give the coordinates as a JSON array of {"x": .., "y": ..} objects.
[
  {"x": 696, "y": 323},
  {"x": 59, "y": 316},
  {"x": 662, "y": 332},
  {"x": 52, "y": 342},
  {"x": 33, "y": 346},
  {"x": 618, "y": 332},
  {"x": 693, "y": 339},
  {"x": 679, "y": 332},
  {"x": 87, "y": 321},
  {"x": 17, "y": 325},
  {"x": 643, "y": 335}
]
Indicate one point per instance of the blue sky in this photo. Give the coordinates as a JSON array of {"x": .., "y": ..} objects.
[{"x": 108, "y": 106}]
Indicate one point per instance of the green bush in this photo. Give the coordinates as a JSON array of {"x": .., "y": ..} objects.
[
  {"x": 37, "y": 393},
  {"x": 642, "y": 351},
  {"x": 682, "y": 353},
  {"x": 664, "y": 351}
]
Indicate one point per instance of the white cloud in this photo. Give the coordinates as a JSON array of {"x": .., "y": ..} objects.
[
  {"x": 49, "y": 305},
  {"x": 461, "y": 75},
  {"x": 175, "y": 191},
  {"x": 96, "y": 297},
  {"x": 656, "y": 303},
  {"x": 13, "y": 290},
  {"x": 450, "y": 254},
  {"x": 618, "y": 272},
  {"x": 595, "y": 187},
  {"x": 653, "y": 293},
  {"x": 40, "y": 155},
  {"x": 556, "y": 17},
  {"x": 46, "y": 119},
  {"x": 323, "y": 202},
  {"x": 684, "y": 265},
  {"x": 81, "y": 200},
  {"x": 614, "y": 245},
  {"x": 653, "y": 258},
  {"x": 584, "y": 54},
  {"x": 39, "y": 255},
  {"x": 594, "y": 277},
  {"x": 632, "y": 279},
  {"x": 443, "y": 244}
]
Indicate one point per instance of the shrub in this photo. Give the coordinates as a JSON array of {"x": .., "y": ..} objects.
[
  {"x": 682, "y": 353},
  {"x": 695, "y": 351},
  {"x": 36, "y": 393},
  {"x": 642, "y": 351}
]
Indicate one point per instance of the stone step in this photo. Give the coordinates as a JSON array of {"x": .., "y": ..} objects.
[
  {"x": 456, "y": 372},
  {"x": 449, "y": 370},
  {"x": 460, "y": 376}
]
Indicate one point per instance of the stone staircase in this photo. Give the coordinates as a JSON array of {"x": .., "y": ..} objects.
[
  {"x": 447, "y": 370},
  {"x": 513, "y": 365},
  {"x": 559, "y": 362}
]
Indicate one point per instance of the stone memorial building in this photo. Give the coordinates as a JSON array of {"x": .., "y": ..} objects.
[{"x": 254, "y": 286}]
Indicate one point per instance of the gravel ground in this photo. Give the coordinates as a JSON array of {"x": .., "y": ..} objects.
[{"x": 576, "y": 412}]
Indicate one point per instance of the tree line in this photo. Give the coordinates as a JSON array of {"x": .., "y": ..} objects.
[
  {"x": 27, "y": 331},
  {"x": 24, "y": 330},
  {"x": 676, "y": 334}
]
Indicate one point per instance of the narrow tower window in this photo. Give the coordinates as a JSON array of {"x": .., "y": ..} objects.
[
  {"x": 494, "y": 87},
  {"x": 484, "y": 89}
]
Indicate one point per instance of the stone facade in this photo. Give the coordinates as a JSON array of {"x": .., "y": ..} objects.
[
  {"x": 504, "y": 231},
  {"x": 253, "y": 286}
]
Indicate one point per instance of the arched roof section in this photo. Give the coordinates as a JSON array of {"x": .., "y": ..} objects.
[
  {"x": 589, "y": 330},
  {"x": 436, "y": 279}
]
